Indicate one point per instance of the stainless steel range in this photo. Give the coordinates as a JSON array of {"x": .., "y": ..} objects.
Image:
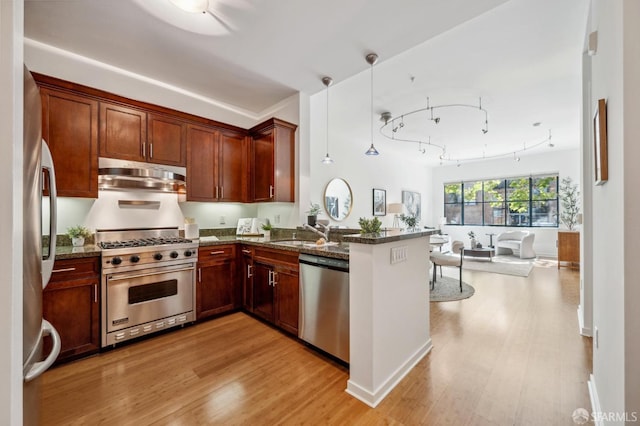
[{"x": 148, "y": 282}]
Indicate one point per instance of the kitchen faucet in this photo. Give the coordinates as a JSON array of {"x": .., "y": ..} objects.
[{"x": 324, "y": 234}]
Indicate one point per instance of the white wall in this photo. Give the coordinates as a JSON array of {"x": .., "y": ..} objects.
[
  {"x": 566, "y": 163},
  {"x": 349, "y": 138},
  {"x": 615, "y": 205},
  {"x": 11, "y": 87}
]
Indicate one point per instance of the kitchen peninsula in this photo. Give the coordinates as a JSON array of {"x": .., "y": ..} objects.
[{"x": 389, "y": 310}]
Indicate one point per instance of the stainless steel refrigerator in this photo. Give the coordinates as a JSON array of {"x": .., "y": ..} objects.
[{"x": 36, "y": 269}]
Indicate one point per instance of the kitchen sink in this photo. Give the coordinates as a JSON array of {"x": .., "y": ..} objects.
[{"x": 291, "y": 243}]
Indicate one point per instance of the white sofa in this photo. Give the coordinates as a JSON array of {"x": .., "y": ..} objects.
[{"x": 518, "y": 243}]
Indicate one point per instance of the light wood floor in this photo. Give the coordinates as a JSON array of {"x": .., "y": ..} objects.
[{"x": 511, "y": 354}]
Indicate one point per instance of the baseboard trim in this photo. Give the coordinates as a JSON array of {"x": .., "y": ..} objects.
[
  {"x": 584, "y": 331},
  {"x": 372, "y": 399},
  {"x": 595, "y": 401}
]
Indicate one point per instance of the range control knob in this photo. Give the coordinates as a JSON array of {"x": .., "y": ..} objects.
[
  {"x": 188, "y": 253},
  {"x": 157, "y": 256},
  {"x": 174, "y": 254},
  {"x": 135, "y": 258},
  {"x": 116, "y": 261}
]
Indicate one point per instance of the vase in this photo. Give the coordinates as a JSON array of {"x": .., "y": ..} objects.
[
  {"x": 77, "y": 241},
  {"x": 266, "y": 234},
  {"x": 311, "y": 220},
  {"x": 473, "y": 243}
]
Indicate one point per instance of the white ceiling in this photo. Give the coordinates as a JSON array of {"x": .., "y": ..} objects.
[{"x": 522, "y": 56}]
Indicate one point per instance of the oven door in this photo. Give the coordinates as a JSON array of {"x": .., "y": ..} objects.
[{"x": 145, "y": 295}]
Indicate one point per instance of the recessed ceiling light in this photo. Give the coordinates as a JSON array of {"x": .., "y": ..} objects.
[
  {"x": 536, "y": 124},
  {"x": 193, "y": 6}
]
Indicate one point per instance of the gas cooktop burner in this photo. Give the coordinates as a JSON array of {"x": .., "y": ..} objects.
[{"x": 143, "y": 242}]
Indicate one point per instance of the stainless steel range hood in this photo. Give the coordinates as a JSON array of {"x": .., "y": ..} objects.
[{"x": 135, "y": 176}]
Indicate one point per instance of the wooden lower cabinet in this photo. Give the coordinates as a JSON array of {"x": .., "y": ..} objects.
[
  {"x": 275, "y": 288},
  {"x": 216, "y": 281},
  {"x": 569, "y": 247},
  {"x": 71, "y": 303},
  {"x": 246, "y": 271}
]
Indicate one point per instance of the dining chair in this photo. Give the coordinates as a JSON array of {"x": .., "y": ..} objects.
[{"x": 446, "y": 259}]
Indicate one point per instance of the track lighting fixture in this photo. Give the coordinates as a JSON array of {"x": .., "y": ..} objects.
[
  {"x": 372, "y": 58},
  {"x": 327, "y": 81}
]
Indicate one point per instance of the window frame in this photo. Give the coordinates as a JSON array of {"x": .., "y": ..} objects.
[{"x": 506, "y": 212}]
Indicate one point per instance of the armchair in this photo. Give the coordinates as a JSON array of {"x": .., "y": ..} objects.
[{"x": 518, "y": 243}]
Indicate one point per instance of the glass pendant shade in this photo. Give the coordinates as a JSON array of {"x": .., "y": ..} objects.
[{"x": 372, "y": 151}]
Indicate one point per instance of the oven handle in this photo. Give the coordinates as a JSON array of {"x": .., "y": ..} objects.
[{"x": 126, "y": 277}]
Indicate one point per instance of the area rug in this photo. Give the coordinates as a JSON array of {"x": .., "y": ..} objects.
[
  {"x": 447, "y": 289},
  {"x": 507, "y": 265}
]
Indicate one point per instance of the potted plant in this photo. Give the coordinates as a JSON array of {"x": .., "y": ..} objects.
[
  {"x": 78, "y": 234},
  {"x": 472, "y": 236},
  {"x": 266, "y": 230},
  {"x": 410, "y": 220},
  {"x": 569, "y": 197},
  {"x": 312, "y": 214},
  {"x": 369, "y": 226}
]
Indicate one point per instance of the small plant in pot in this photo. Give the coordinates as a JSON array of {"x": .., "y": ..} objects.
[
  {"x": 472, "y": 237},
  {"x": 312, "y": 214},
  {"x": 369, "y": 226},
  {"x": 409, "y": 220},
  {"x": 266, "y": 230},
  {"x": 78, "y": 234}
]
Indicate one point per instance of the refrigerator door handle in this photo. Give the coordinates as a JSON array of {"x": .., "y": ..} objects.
[
  {"x": 47, "y": 263},
  {"x": 40, "y": 367}
]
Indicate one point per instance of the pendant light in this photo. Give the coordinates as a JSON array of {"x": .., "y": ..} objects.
[
  {"x": 372, "y": 58},
  {"x": 327, "y": 81}
]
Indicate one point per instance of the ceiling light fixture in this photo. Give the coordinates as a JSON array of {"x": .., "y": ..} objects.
[
  {"x": 192, "y": 6},
  {"x": 372, "y": 58},
  {"x": 327, "y": 81}
]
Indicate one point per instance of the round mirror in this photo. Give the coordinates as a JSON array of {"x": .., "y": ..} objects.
[{"x": 338, "y": 199}]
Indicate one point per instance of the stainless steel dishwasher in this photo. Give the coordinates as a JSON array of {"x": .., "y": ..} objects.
[{"x": 324, "y": 304}]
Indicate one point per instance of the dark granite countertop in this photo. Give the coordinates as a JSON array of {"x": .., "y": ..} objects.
[
  {"x": 70, "y": 252},
  {"x": 388, "y": 236},
  {"x": 340, "y": 251}
]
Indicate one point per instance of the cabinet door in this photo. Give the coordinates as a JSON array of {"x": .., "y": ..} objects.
[
  {"x": 263, "y": 291},
  {"x": 284, "y": 164},
  {"x": 287, "y": 296},
  {"x": 167, "y": 140},
  {"x": 263, "y": 167},
  {"x": 232, "y": 167},
  {"x": 215, "y": 288},
  {"x": 123, "y": 132},
  {"x": 247, "y": 272},
  {"x": 70, "y": 127},
  {"x": 71, "y": 302},
  {"x": 201, "y": 163}
]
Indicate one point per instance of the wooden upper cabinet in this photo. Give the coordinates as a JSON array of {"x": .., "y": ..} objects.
[
  {"x": 201, "y": 163},
  {"x": 216, "y": 165},
  {"x": 123, "y": 132},
  {"x": 166, "y": 140},
  {"x": 263, "y": 167},
  {"x": 273, "y": 161},
  {"x": 232, "y": 167},
  {"x": 70, "y": 128}
]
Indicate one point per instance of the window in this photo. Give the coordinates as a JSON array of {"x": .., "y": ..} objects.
[{"x": 519, "y": 201}]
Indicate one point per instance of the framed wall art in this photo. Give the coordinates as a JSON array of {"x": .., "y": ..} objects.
[
  {"x": 412, "y": 203},
  {"x": 601, "y": 162},
  {"x": 379, "y": 202}
]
